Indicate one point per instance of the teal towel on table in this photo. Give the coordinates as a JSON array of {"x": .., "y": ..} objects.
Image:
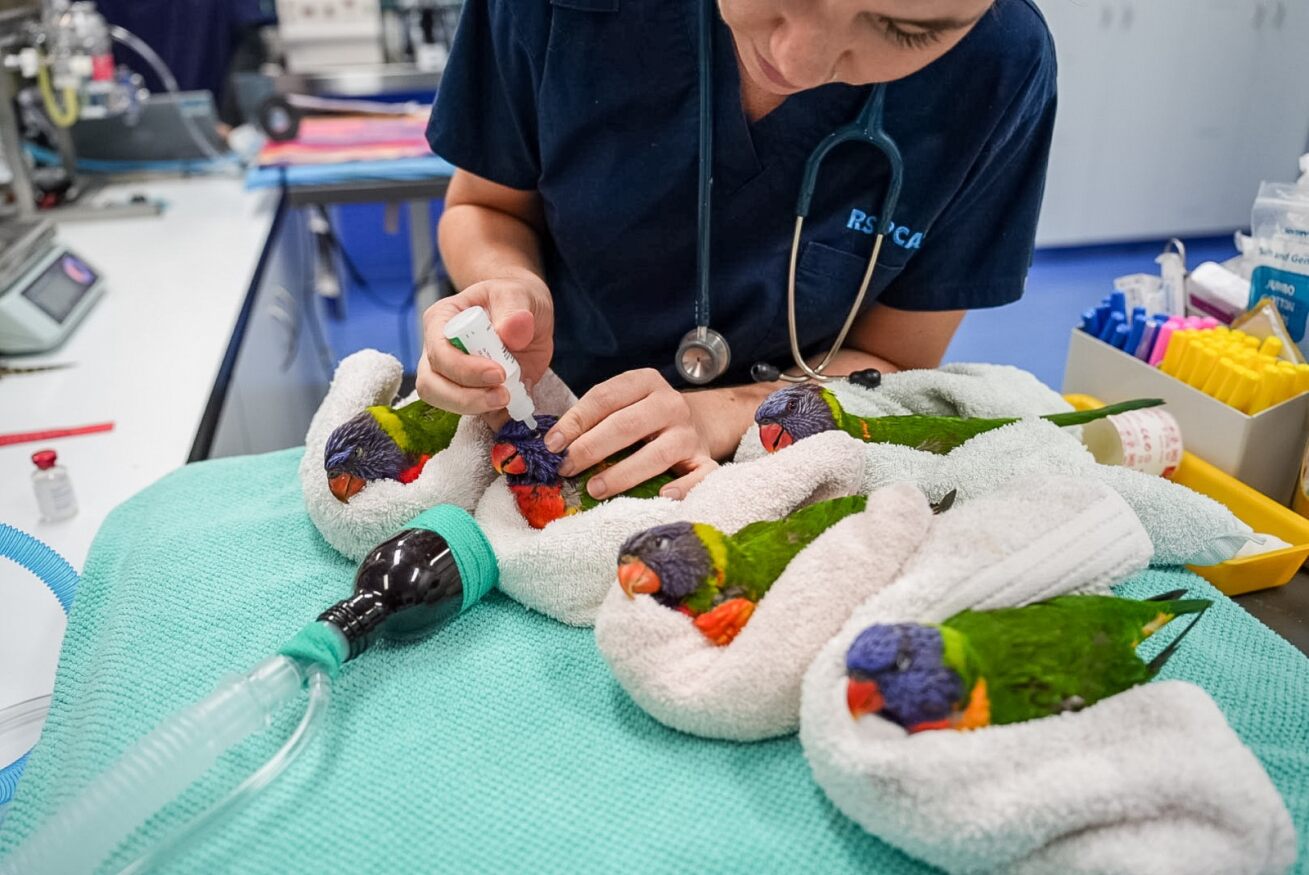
[{"x": 502, "y": 744}]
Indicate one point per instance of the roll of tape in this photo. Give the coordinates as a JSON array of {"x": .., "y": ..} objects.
[{"x": 1147, "y": 440}]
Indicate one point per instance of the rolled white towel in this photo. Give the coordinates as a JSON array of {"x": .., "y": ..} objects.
[
  {"x": 458, "y": 475},
  {"x": 1148, "y": 781}
]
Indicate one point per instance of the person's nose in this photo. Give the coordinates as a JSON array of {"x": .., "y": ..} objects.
[{"x": 804, "y": 50}]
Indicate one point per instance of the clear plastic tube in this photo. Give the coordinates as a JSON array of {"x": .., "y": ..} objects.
[
  {"x": 20, "y": 716},
  {"x": 320, "y": 690},
  {"x": 23, "y": 720},
  {"x": 125, "y": 37},
  {"x": 160, "y": 766}
]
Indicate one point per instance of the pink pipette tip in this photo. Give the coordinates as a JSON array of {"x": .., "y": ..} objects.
[{"x": 1161, "y": 343}]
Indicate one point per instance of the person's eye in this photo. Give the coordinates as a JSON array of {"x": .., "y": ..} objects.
[{"x": 909, "y": 39}]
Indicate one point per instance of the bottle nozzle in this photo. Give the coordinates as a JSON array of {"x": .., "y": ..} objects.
[{"x": 520, "y": 406}]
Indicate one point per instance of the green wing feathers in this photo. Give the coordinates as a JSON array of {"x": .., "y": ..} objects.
[
  {"x": 427, "y": 429},
  {"x": 760, "y": 552},
  {"x": 1066, "y": 653}
]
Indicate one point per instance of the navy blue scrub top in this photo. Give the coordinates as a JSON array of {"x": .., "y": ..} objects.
[{"x": 592, "y": 103}]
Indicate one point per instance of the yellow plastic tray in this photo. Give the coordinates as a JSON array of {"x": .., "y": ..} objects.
[{"x": 1261, "y": 513}]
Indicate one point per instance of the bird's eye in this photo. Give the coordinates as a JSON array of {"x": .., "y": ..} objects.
[
  {"x": 903, "y": 662},
  {"x": 790, "y": 405},
  {"x": 357, "y": 452},
  {"x": 662, "y": 543}
]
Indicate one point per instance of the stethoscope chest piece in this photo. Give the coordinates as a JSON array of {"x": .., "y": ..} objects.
[{"x": 703, "y": 356}]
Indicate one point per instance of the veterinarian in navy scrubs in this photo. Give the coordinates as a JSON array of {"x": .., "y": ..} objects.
[{"x": 572, "y": 217}]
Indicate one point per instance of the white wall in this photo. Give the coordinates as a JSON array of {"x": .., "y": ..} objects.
[{"x": 1170, "y": 114}]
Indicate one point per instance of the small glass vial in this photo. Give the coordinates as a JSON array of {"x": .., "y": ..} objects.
[{"x": 54, "y": 490}]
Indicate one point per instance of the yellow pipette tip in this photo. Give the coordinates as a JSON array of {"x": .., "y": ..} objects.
[
  {"x": 1219, "y": 378},
  {"x": 1272, "y": 346},
  {"x": 1247, "y": 385}
]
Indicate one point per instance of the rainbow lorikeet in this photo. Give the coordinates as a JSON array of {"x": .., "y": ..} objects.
[
  {"x": 798, "y": 412},
  {"x": 984, "y": 668},
  {"x": 379, "y": 443},
  {"x": 716, "y": 578},
  {"x": 532, "y": 472}
]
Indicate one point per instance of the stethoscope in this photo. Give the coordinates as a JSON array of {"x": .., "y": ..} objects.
[{"x": 704, "y": 355}]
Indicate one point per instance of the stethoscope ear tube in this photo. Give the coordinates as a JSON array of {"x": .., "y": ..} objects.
[{"x": 704, "y": 354}]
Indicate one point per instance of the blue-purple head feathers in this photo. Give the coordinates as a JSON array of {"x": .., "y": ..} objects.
[
  {"x": 800, "y": 410},
  {"x": 361, "y": 447},
  {"x": 676, "y": 554},
  {"x": 542, "y": 465},
  {"x": 905, "y": 661}
]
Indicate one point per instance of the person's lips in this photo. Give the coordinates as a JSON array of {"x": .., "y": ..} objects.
[{"x": 774, "y": 75}]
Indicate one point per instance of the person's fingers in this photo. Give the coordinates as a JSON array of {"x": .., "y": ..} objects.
[
  {"x": 617, "y": 431},
  {"x": 517, "y": 329},
  {"x": 678, "y": 489},
  {"x": 512, "y": 309},
  {"x": 604, "y": 399},
  {"x": 441, "y": 392},
  {"x": 651, "y": 460},
  {"x": 445, "y": 359}
]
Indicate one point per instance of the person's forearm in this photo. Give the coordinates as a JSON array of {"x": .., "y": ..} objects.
[
  {"x": 481, "y": 243},
  {"x": 723, "y": 415}
]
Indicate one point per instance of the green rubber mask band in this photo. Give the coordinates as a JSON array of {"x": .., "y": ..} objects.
[
  {"x": 319, "y": 644},
  {"x": 478, "y": 570}
]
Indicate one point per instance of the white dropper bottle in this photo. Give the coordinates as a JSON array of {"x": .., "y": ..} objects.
[{"x": 471, "y": 331}]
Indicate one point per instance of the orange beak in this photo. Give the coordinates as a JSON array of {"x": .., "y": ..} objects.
[
  {"x": 635, "y": 577},
  {"x": 863, "y": 697},
  {"x": 344, "y": 486},
  {"x": 774, "y": 437},
  {"x": 505, "y": 460}
]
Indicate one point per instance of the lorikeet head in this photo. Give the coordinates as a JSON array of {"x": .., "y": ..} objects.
[
  {"x": 359, "y": 452},
  {"x": 520, "y": 452},
  {"x": 899, "y": 672},
  {"x": 794, "y": 413},
  {"x": 668, "y": 562}
]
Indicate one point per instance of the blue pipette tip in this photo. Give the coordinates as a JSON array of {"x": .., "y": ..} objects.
[{"x": 1115, "y": 321}]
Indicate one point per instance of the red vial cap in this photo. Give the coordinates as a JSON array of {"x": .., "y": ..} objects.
[{"x": 44, "y": 459}]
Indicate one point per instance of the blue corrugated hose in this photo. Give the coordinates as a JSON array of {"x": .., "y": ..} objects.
[{"x": 60, "y": 577}]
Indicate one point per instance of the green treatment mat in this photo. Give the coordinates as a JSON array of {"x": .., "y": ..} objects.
[{"x": 500, "y": 745}]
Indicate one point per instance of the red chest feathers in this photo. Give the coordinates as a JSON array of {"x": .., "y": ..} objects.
[{"x": 539, "y": 505}]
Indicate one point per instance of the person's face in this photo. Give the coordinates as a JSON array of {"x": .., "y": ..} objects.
[{"x": 788, "y": 46}]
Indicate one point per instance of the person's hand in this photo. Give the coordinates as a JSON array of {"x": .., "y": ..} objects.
[
  {"x": 633, "y": 407},
  {"x": 523, "y": 315}
]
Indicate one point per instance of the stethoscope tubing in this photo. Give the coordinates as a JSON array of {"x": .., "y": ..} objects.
[{"x": 866, "y": 128}]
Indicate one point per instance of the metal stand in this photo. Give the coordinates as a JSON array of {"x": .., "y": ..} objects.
[{"x": 12, "y": 145}]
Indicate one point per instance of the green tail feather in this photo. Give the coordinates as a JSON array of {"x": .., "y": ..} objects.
[
  {"x": 1082, "y": 417},
  {"x": 1185, "y": 606}
]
